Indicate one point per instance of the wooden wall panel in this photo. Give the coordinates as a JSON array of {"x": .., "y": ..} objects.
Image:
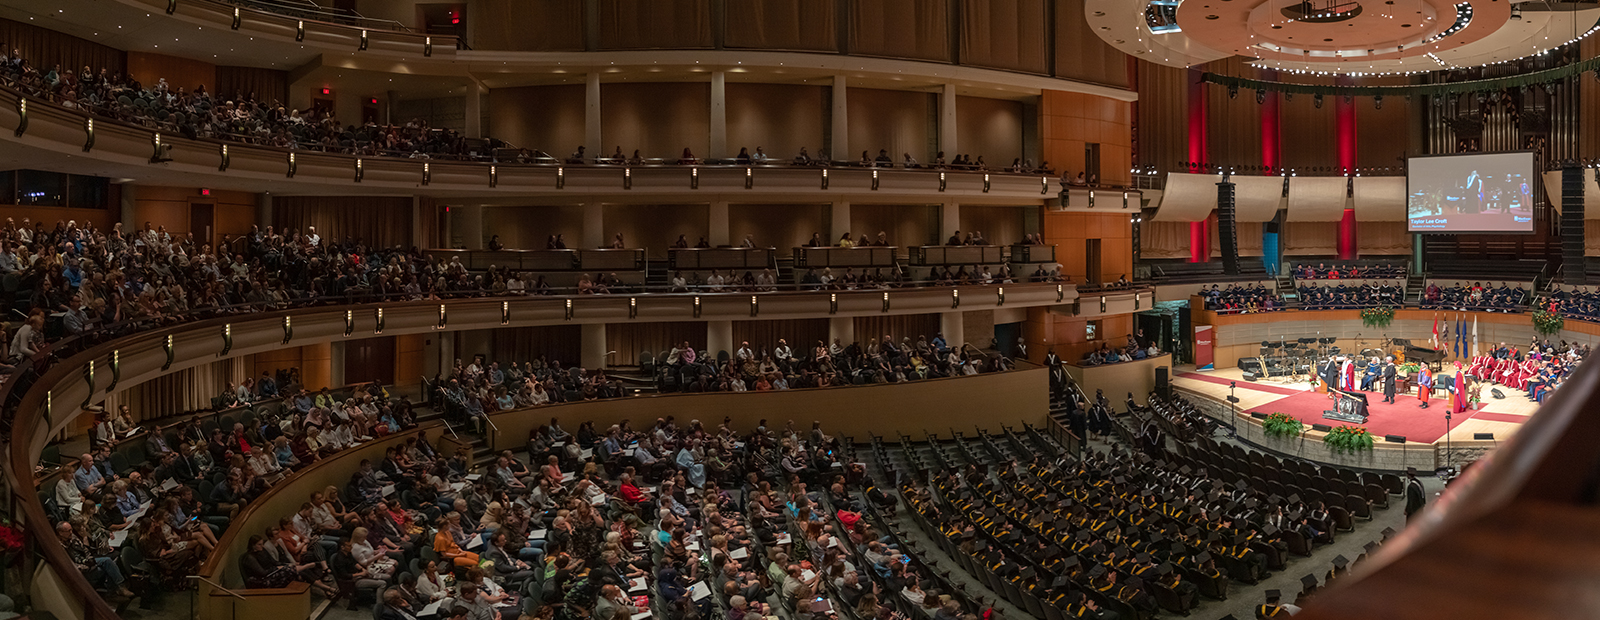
[
  {"x": 549, "y": 118},
  {"x": 906, "y": 225},
  {"x": 780, "y": 118},
  {"x": 1069, "y": 121},
  {"x": 918, "y": 29},
  {"x": 1068, "y": 336},
  {"x": 1005, "y": 34},
  {"x": 658, "y": 118},
  {"x": 628, "y": 339},
  {"x": 655, "y": 227},
  {"x": 991, "y": 128},
  {"x": 179, "y": 72},
  {"x": 896, "y": 120},
  {"x": 658, "y": 24},
  {"x": 233, "y": 213},
  {"x": 530, "y": 227},
  {"x": 1163, "y": 115},
  {"x": 1070, "y": 231},
  {"x": 780, "y": 226},
  {"x": 999, "y": 225},
  {"x": 804, "y": 25},
  {"x": 544, "y": 26},
  {"x": 1081, "y": 54}
]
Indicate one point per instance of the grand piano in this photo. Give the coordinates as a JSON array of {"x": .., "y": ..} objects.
[{"x": 1414, "y": 353}]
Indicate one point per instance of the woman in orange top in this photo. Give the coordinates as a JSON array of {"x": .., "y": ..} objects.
[{"x": 445, "y": 544}]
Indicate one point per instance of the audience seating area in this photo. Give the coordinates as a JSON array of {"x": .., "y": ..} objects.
[
  {"x": 1337, "y": 294},
  {"x": 1476, "y": 295},
  {"x": 1350, "y": 270}
]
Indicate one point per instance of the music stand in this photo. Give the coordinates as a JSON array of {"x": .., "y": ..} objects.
[{"x": 1233, "y": 402}]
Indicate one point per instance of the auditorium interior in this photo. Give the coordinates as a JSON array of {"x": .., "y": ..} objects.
[{"x": 1050, "y": 309}]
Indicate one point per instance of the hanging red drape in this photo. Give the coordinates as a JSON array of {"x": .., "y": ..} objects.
[
  {"x": 1199, "y": 237},
  {"x": 1345, "y": 113}
]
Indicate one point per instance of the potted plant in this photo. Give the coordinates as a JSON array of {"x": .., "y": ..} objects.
[
  {"x": 1547, "y": 322},
  {"x": 1380, "y": 316},
  {"x": 1281, "y": 425},
  {"x": 1348, "y": 439}
]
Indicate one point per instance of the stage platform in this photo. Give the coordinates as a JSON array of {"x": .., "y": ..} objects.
[{"x": 1405, "y": 417}]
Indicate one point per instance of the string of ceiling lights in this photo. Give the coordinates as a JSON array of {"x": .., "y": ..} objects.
[{"x": 1545, "y": 78}]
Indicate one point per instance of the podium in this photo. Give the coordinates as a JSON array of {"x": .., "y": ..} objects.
[{"x": 1348, "y": 407}]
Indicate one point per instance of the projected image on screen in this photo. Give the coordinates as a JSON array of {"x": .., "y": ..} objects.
[{"x": 1470, "y": 193}]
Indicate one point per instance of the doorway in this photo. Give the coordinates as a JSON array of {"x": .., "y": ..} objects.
[
  {"x": 1006, "y": 336},
  {"x": 368, "y": 360},
  {"x": 202, "y": 221},
  {"x": 1091, "y": 162}
]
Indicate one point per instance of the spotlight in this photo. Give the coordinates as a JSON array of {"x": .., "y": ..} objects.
[
  {"x": 1261, "y": 95},
  {"x": 1316, "y": 100},
  {"x": 1377, "y": 102},
  {"x": 1233, "y": 91}
]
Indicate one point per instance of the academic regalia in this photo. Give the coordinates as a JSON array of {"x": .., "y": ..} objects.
[
  {"x": 1458, "y": 401},
  {"x": 1388, "y": 382},
  {"x": 1347, "y": 380},
  {"x": 1424, "y": 384}
]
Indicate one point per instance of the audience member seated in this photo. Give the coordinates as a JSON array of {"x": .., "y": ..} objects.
[
  {"x": 1341, "y": 296},
  {"x": 1482, "y": 297},
  {"x": 1235, "y": 299},
  {"x": 1325, "y": 271}
]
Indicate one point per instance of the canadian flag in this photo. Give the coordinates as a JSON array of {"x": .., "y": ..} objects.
[{"x": 1435, "y": 340}]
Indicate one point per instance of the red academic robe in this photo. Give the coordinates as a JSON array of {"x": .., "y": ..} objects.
[{"x": 1424, "y": 384}]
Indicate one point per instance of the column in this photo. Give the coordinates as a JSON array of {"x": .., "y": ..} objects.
[
  {"x": 949, "y": 218},
  {"x": 591, "y": 116},
  {"x": 1416, "y": 255},
  {"x": 717, "y": 219},
  {"x": 592, "y": 343},
  {"x": 594, "y": 226},
  {"x": 842, "y": 329},
  {"x": 470, "y": 222},
  {"x": 841, "y": 121},
  {"x": 947, "y": 120},
  {"x": 336, "y": 363},
  {"x": 840, "y": 218},
  {"x": 719, "y": 118},
  {"x": 719, "y": 337},
  {"x": 129, "y": 206},
  {"x": 473, "y": 125},
  {"x": 263, "y": 210},
  {"x": 954, "y": 331}
]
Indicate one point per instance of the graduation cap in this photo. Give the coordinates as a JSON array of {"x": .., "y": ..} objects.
[
  {"x": 980, "y": 546},
  {"x": 1156, "y": 538},
  {"x": 1274, "y": 499},
  {"x": 1213, "y": 537},
  {"x": 1178, "y": 549},
  {"x": 1387, "y": 532},
  {"x": 1167, "y": 496},
  {"x": 1371, "y": 547},
  {"x": 1083, "y": 534},
  {"x": 1185, "y": 470},
  {"x": 1202, "y": 558},
  {"x": 1239, "y": 539},
  {"x": 1270, "y": 530},
  {"x": 1027, "y": 573},
  {"x": 1135, "y": 583},
  {"x": 1012, "y": 537},
  {"x": 1192, "y": 531},
  {"x": 1294, "y": 498},
  {"x": 1340, "y": 562},
  {"x": 1309, "y": 581},
  {"x": 1411, "y": 470},
  {"x": 1251, "y": 503},
  {"x": 1121, "y": 550},
  {"x": 1097, "y": 548},
  {"x": 1097, "y": 571},
  {"x": 1131, "y": 531},
  {"x": 1070, "y": 562},
  {"x": 1119, "y": 480},
  {"x": 1194, "y": 511},
  {"x": 1273, "y": 595},
  {"x": 1143, "y": 558},
  {"x": 1164, "y": 569},
  {"x": 1146, "y": 493},
  {"x": 1231, "y": 507},
  {"x": 1059, "y": 583}
]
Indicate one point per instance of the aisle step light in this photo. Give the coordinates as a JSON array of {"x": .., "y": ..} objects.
[
  {"x": 1061, "y": 292},
  {"x": 363, "y": 47},
  {"x": 22, "y": 116},
  {"x": 427, "y": 173},
  {"x": 444, "y": 319},
  {"x": 427, "y": 47},
  {"x": 494, "y": 176},
  {"x": 292, "y": 164},
  {"x": 1000, "y": 296},
  {"x": 985, "y": 182},
  {"x": 633, "y": 307},
  {"x": 567, "y": 311},
  {"x": 694, "y": 177},
  {"x": 941, "y": 180},
  {"x": 697, "y": 306},
  {"x": 886, "y": 301},
  {"x": 833, "y": 303},
  {"x": 1044, "y": 185},
  {"x": 955, "y": 298},
  {"x": 755, "y": 306},
  {"x": 300, "y": 31}
]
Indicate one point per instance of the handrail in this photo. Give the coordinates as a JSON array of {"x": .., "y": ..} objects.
[{"x": 218, "y": 586}]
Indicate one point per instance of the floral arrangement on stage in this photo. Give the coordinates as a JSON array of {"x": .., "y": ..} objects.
[
  {"x": 1380, "y": 316},
  {"x": 1409, "y": 368},
  {"x": 1547, "y": 322},
  {"x": 1281, "y": 425},
  {"x": 1348, "y": 439}
]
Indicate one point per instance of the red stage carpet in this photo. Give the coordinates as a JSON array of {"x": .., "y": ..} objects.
[{"x": 1403, "y": 418}]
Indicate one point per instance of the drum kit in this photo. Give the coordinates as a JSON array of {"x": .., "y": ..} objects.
[{"x": 1292, "y": 359}]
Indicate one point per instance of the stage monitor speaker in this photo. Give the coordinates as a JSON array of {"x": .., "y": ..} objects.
[
  {"x": 1258, "y": 415},
  {"x": 1321, "y": 427},
  {"x": 1227, "y": 227},
  {"x": 1394, "y": 438},
  {"x": 1161, "y": 380},
  {"x": 1250, "y": 376},
  {"x": 1572, "y": 259},
  {"x": 1497, "y": 393},
  {"x": 1483, "y": 436}
]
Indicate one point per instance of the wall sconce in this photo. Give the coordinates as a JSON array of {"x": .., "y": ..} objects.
[
  {"x": 156, "y": 151},
  {"x": 749, "y": 178},
  {"x": 349, "y": 322},
  {"x": 755, "y": 306},
  {"x": 633, "y": 307},
  {"x": 227, "y": 339},
  {"x": 363, "y": 47},
  {"x": 166, "y": 347},
  {"x": 427, "y": 173},
  {"x": 88, "y": 132},
  {"x": 505, "y": 313},
  {"x": 1000, "y": 296},
  {"x": 1124, "y": 199},
  {"x": 443, "y": 318},
  {"x": 627, "y": 178},
  {"x": 292, "y": 165},
  {"x": 378, "y": 326},
  {"x": 427, "y": 47},
  {"x": 874, "y": 179},
  {"x": 288, "y": 329},
  {"x": 1136, "y": 300},
  {"x": 985, "y": 182},
  {"x": 697, "y": 306},
  {"x": 361, "y": 170},
  {"x": 833, "y": 303},
  {"x": 561, "y": 177},
  {"x": 494, "y": 176},
  {"x": 49, "y": 406},
  {"x": 567, "y": 314},
  {"x": 694, "y": 178},
  {"x": 236, "y": 19},
  {"x": 955, "y": 298},
  {"x": 172, "y": 6},
  {"x": 1044, "y": 185},
  {"x": 1102, "y": 303},
  {"x": 116, "y": 369},
  {"x": 1091, "y": 199},
  {"x": 22, "y": 116},
  {"x": 1061, "y": 292},
  {"x": 224, "y": 158},
  {"x": 824, "y": 178},
  {"x": 885, "y": 301},
  {"x": 941, "y": 181},
  {"x": 88, "y": 377},
  {"x": 300, "y": 31}
]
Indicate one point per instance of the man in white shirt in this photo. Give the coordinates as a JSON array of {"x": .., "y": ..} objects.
[
  {"x": 760, "y": 157},
  {"x": 744, "y": 353},
  {"x": 312, "y": 237}
]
